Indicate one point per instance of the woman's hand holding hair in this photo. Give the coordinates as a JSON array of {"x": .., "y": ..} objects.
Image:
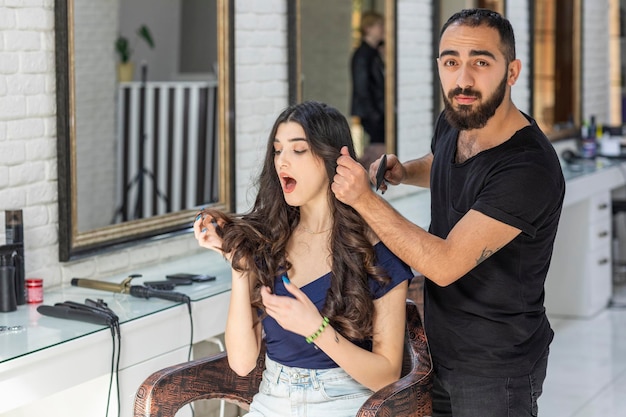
[
  {"x": 205, "y": 231},
  {"x": 297, "y": 315}
]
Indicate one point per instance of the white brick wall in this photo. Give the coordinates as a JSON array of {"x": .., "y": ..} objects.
[
  {"x": 414, "y": 78},
  {"x": 27, "y": 134},
  {"x": 28, "y": 165},
  {"x": 261, "y": 85}
]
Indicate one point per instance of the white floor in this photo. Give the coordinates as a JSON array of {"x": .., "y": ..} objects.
[{"x": 587, "y": 365}]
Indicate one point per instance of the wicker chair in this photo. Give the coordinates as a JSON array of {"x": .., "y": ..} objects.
[{"x": 166, "y": 391}]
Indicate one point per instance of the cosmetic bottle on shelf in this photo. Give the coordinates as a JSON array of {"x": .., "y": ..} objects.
[
  {"x": 14, "y": 226},
  {"x": 588, "y": 139},
  {"x": 8, "y": 301},
  {"x": 14, "y": 232}
]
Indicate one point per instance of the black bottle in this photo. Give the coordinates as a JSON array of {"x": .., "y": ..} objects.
[
  {"x": 593, "y": 128},
  {"x": 15, "y": 243},
  {"x": 17, "y": 260},
  {"x": 14, "y": 226},
  {"x": 7, "y": 285}
]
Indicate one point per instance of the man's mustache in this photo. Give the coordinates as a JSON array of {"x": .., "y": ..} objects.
[{"x": 469, "y": 92}]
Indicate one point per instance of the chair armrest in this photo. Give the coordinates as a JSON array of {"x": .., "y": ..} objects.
[
  {"x": 164, "y": 392},
  {"x": 409, "y": 396}
]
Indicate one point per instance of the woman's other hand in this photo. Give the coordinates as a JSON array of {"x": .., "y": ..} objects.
[{"x": 297, "y": 315}]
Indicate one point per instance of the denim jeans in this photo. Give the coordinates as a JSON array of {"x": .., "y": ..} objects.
[
  {"x": 462, "y": 395},
  {"x": 298, "y": 392}
]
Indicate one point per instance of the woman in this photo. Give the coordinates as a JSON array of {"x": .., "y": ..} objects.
[{"x": 309, "y": 274}]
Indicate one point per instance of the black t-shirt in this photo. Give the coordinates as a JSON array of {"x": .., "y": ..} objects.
[{"x": 492, "y": 321}]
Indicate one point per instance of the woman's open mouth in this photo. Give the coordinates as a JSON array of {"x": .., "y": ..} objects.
[{"x": 289, "y": 183}]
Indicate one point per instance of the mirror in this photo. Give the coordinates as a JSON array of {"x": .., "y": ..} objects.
[
  {"x": 144, "y": 118},
  {"x": 322, "y": 38}
]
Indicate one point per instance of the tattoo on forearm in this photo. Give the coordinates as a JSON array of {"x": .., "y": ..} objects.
[{"x": 486, "y": 254}]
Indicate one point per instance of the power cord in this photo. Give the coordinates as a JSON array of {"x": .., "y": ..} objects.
[
  {"x": 96, "y": 312},
  {"x": 188, "y": 302},
  {"x": 115, "y": 362}
]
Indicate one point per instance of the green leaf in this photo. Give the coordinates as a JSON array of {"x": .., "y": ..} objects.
[{"x": 144, "y": 33}]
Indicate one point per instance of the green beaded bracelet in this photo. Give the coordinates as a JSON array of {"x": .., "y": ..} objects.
[{"x": 319, "y": 331}]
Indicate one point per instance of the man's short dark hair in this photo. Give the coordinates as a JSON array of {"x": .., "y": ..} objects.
[{"x": 486, "y": 17}]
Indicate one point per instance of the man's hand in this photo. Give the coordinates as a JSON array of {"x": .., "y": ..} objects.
[
  {"x": 350, "y": 183},
  {"x": 394, "y": 174}
]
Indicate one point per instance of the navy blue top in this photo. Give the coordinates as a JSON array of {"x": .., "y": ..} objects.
[{"x": 291, "y": 349}]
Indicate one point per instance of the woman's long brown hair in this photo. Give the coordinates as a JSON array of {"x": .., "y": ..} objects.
[{"x": 259, "y": 238}]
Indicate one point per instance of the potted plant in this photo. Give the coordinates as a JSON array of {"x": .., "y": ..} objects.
[{"x": 126, "y": 67}]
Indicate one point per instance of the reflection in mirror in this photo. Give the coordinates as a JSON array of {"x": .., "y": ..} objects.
[
  {"x": 323, "y": 35},
  {"x": 143, "y": 90}
]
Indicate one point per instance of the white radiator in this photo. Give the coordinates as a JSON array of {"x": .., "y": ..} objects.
[{"x": 167, "y": 148}]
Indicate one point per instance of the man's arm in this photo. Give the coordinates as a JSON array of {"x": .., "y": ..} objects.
[
  {"x": 474, "y": 238},
  {"x": 418, "y": 171}
]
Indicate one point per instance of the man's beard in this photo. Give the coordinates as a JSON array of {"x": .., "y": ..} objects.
[{"x": 464, "y": 118}]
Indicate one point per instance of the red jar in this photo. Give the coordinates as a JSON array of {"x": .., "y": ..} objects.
[{"x": 34, "y": 290}]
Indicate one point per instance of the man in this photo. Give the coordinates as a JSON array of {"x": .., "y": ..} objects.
[
  {"x": 368, "y": 84},
  {"x": 496, "y": 196}
]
